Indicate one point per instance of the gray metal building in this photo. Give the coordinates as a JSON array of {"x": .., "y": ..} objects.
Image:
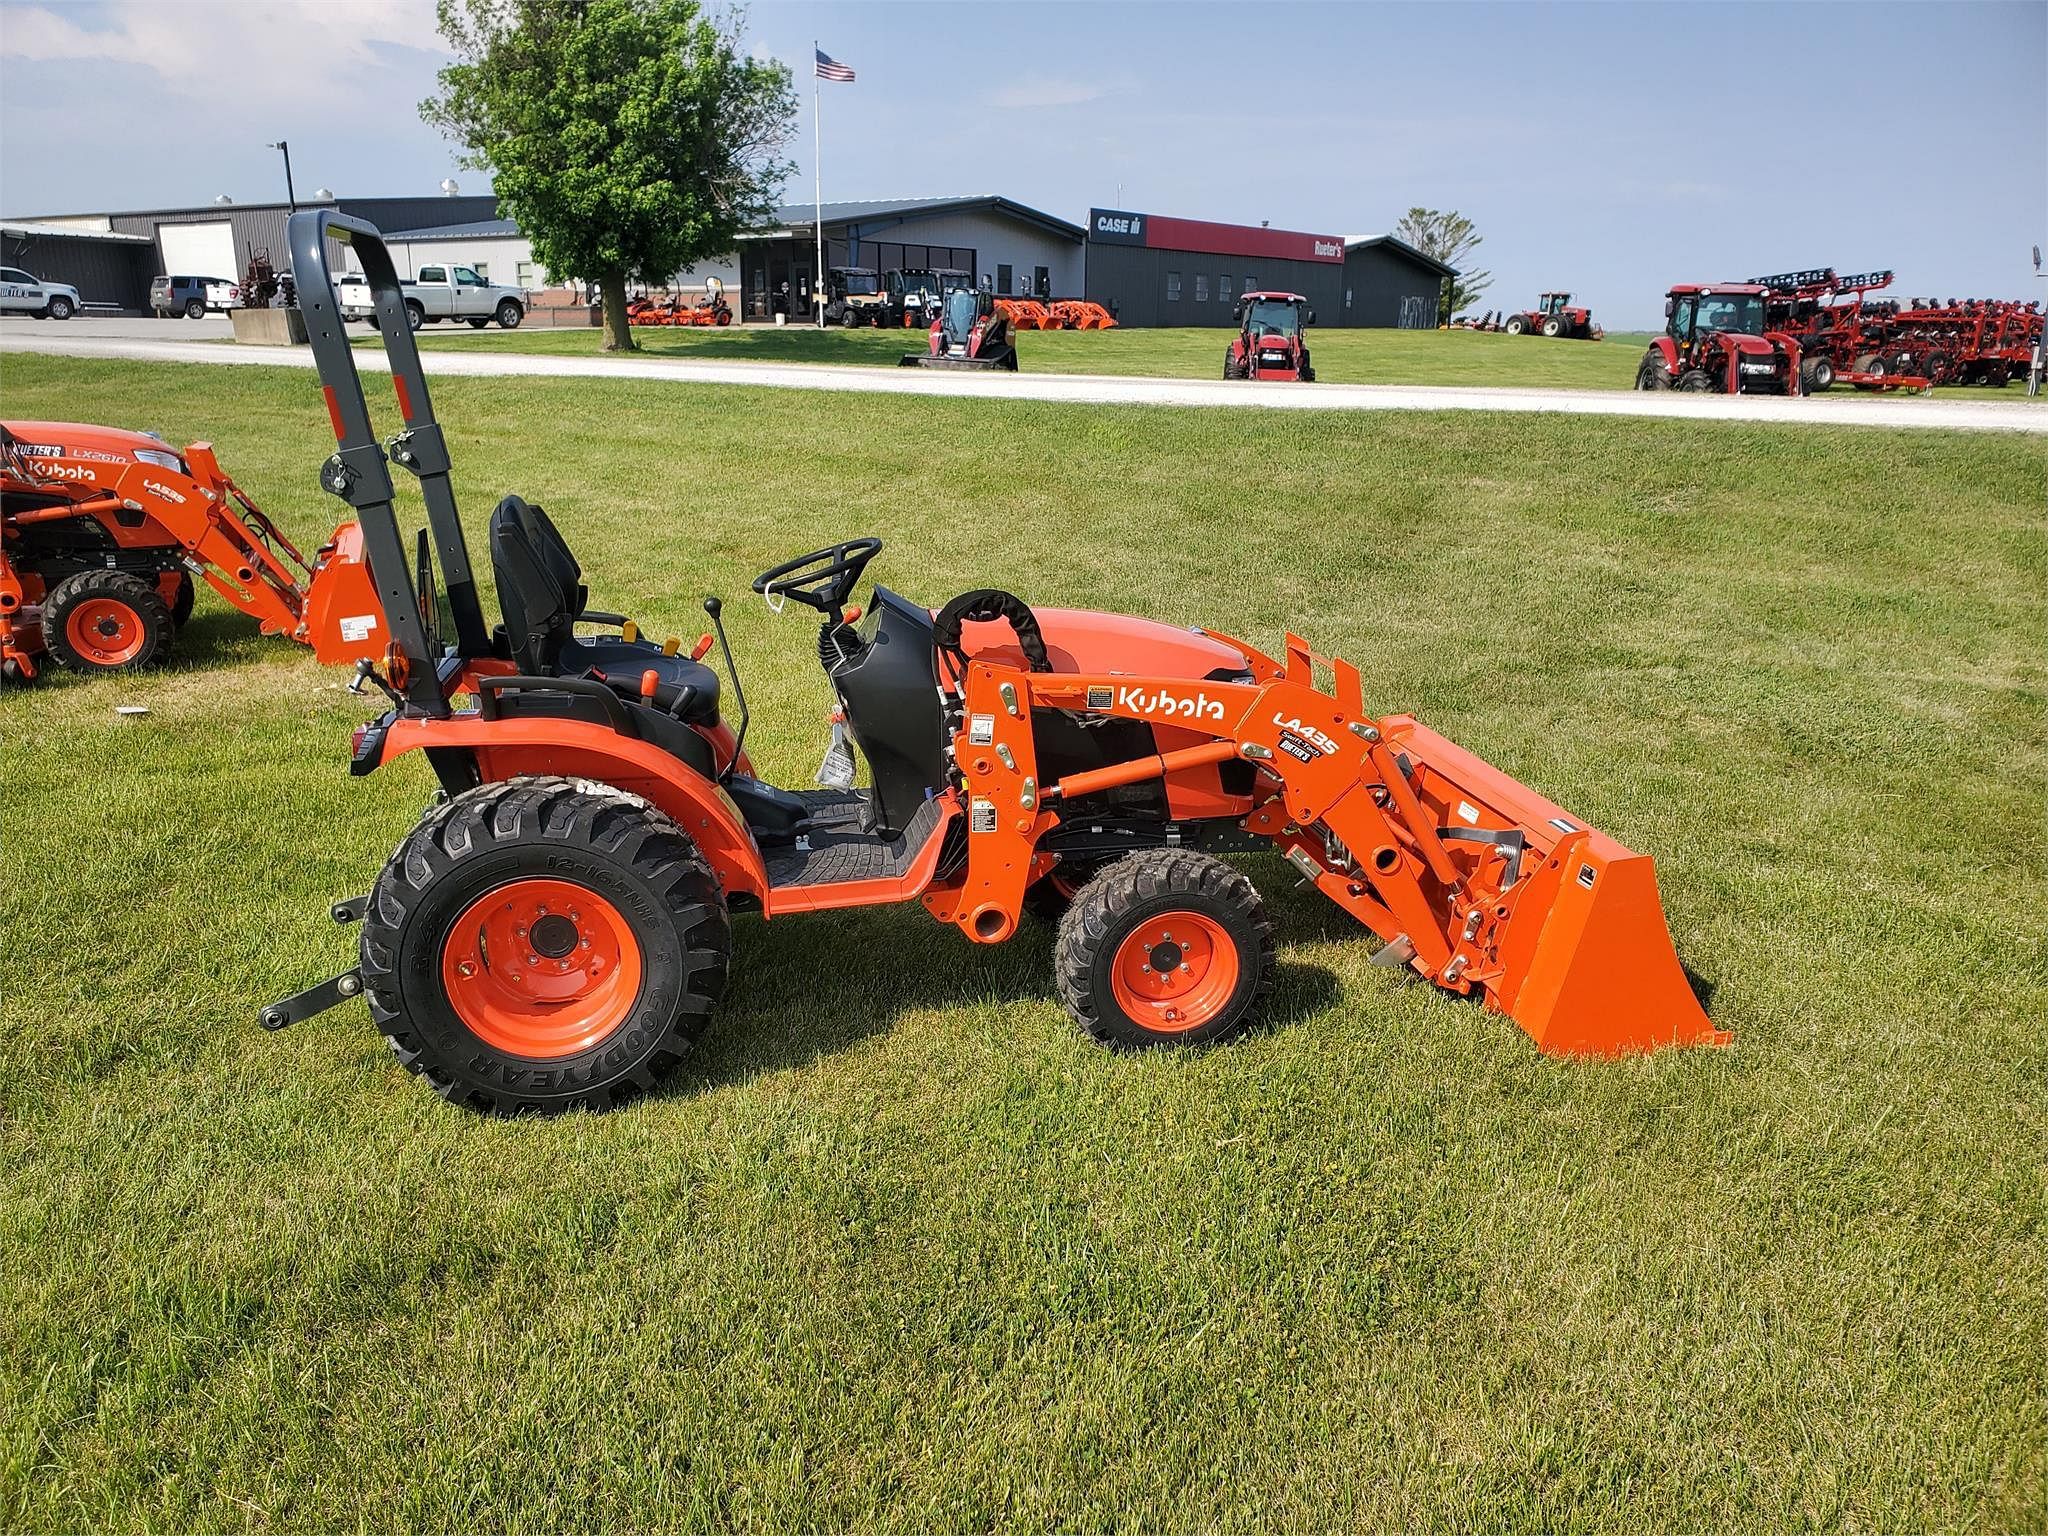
[
  {"x": 214, "y": 241},
  {"x": 1005, "y": 246},
  {"x": 105, "y": 268}
]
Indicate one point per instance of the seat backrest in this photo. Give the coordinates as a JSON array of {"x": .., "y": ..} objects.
[{"x": 538, "y": 590}]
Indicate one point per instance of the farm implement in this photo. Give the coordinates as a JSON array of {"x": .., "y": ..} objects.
[
  {"x": 555, "y": 932},
  {"x": 1055, "y": 315},
  {"x": 102, "y": 532},
  {"x": 1850, "y": 338}
]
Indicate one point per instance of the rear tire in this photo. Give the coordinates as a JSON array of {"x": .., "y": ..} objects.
[
  {"x": 601, "y": 1008},
  {"x": 1515, "y": 325},
  {"x": 1553, "y": 327},
  {"x": 195, "y": 309},
  {"x": 479, "y": 322},
  {"x": 106, "y": 621},
  {"x": 1165, "y": 947}
]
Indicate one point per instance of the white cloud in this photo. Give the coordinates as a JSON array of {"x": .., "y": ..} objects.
[
  {"x": 1037, "y": 91},
  {"x": 234, "y": 52}
]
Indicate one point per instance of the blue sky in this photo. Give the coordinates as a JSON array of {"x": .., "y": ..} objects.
[{"x": 1610, "y": 149}]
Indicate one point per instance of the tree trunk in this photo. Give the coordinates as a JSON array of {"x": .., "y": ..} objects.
[{"x": 618, "y": 336}]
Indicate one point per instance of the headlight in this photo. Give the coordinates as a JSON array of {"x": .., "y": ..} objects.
[{"x": 159, "y": 459}]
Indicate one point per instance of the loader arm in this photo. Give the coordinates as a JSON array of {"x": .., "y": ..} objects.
[{"x": 1469, "y": 878}]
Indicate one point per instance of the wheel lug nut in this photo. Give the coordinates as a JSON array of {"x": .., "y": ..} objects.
[
  {"x": 465, "y": 970},
  {"x": 533, "y": 959}
]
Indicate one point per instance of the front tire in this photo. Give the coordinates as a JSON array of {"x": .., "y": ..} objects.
[
  {"x": 60, "y": 309},
  {"x": 1553, "y": 327},
  {"x": 1515, "y": 325},
  {"x": 1696, "y": 381},
  {"x": 509, "y": 316},
  {"x": 537, "y": 946},
  {"x": 106, "y": 621},
  {"x": 1167, "y": 947}
]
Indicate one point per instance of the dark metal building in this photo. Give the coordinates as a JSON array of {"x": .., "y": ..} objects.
[
  {"x": 1150, "y": 270},
  {"x": 106, "y": 269},
  {"x": 1389, "y": 283}
]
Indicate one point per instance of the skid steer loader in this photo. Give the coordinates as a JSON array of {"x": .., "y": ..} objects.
[
  {"x": 102, "y": 532},
  {"x": 555, "y": 932}
]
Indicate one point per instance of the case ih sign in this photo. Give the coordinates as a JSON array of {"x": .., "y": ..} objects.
[{"x": 1116, "y": 226}]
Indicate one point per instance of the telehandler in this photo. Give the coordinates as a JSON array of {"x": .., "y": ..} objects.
[{"x": 555, "y": 932}]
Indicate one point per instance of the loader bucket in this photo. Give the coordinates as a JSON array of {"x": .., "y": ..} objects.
[
  {"x": 1583, "y": 960},
  {"x": 343, "y": 620}
]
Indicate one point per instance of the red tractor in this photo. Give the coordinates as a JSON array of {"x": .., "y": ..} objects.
[
  {"x": 1269, "y": 343},
  {"x": 1716, "y": 341},
  {"x": 1554, "y": 315}
]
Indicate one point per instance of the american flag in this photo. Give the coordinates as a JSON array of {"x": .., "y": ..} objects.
[{"x": 830, "y": 68}]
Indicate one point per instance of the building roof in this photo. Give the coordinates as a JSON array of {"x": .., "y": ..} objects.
[
  {"x": 1359, "y": 242},
  {"x": 800, "y": 215},
  {"x": 478, "y": 229},
  {"x": 67, "y": 232}
]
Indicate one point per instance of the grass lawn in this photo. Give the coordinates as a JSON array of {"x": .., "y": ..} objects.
[
  {"x": 899, "y": 1249},
  {"x": 1341, "y": 356}
]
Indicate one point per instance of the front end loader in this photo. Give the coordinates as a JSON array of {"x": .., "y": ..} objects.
[
  {"x": 555, "y": 932},
  {"x": 102, "y": 532}
]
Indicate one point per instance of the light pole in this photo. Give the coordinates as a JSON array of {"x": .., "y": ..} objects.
[{"x": 289, "y": 196}]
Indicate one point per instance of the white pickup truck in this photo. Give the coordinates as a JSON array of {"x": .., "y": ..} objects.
[{"x": 439, "y": 293}]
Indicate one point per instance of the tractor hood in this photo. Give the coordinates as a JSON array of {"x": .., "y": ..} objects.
[
  {"x": 78, "y": 440},
  {"x": 1748, "y": 346},
  {"x": 1079, "y": 640}
]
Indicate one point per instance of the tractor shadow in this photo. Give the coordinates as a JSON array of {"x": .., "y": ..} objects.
[{"x": 803, "y": 990}]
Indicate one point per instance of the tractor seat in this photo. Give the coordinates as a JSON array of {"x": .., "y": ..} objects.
[{"x": 542, "y": 596}]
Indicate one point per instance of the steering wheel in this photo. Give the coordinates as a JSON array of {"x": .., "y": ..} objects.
[{"x": 824, "y": 579}]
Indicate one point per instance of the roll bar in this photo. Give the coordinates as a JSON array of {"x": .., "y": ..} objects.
[{"x": 358, "y": 471}]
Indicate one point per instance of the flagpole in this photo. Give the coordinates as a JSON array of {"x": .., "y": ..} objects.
[{"x": 817, "y": 192}]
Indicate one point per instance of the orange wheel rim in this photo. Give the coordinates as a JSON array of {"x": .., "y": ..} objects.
[
  {"x": 1174, "y": 972},
  {"x": 105, "y": 631},
  {"x": 541, "y": 968}
]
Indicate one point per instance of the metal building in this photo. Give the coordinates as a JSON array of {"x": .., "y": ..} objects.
[
  {"x": 1003, "y": 245},
  {"x": 1389, "y": 283},
  {"x": 107, "y": 269}
]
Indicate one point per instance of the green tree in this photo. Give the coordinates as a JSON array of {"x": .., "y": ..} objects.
[
  {"x": 1450, "y": 238},
  {"x": 629, "y": 138}
]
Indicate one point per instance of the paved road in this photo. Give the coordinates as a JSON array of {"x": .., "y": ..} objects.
[{"x": 158, "y": 341}]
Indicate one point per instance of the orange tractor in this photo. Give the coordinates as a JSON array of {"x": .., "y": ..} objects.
[
  {"x": 556, "y": 931},
  {"x": 102, "y": 532}
]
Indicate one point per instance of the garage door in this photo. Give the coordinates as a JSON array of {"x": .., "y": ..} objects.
[{"x": 198, "y": 250}]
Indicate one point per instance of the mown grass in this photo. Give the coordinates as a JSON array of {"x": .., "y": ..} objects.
[
  {"x": 899, "y": 1250},
  {"x": 1451, "y": 358}
]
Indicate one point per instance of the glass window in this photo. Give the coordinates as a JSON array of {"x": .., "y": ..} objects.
[
  {"x": 1224, "y": 291},
  {"x": 1201, "y": 287},
  {"x": 432, "y": 275},
  {"x": 526, "y": 274},
  {"x": 1041, "y": 280},
  {"x": 1172, "y": 287},
  {"x": 14, "y": 275},
  {"x": 1005, "y": 279},
  {"x": 1250, "y": 284}
]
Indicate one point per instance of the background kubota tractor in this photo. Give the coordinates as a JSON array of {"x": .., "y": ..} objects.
[
  {"x": 1717, "y": 340},
  {"x": 1554, "y": 315},
  {"x": 971, "y": 331},
  {"x": 555, "y": 932},
  {"x": 102, "y": 532},
  {"x": 1269, "y": 343}
]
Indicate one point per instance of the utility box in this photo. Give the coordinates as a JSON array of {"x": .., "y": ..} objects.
[{"x": 269, "y": 327}]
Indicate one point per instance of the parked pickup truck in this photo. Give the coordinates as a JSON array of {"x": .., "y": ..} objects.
[{"x": 439, "y": 293}]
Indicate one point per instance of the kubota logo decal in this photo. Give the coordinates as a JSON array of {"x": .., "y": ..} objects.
[
  {"x": 1200, "y": 707},
  {"x": 65, "y": 472}
]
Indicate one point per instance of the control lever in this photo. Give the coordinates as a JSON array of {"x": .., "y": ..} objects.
[{"x": 714, "y": 608}]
